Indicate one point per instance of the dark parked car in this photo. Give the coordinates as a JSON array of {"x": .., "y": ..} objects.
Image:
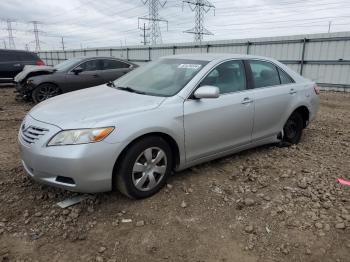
[
  {"x": 41, "y": 83},
  {"x": 13, "y": 61}
]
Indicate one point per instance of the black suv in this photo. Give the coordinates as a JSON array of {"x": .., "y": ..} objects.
[{"x": 13, "y": 61}]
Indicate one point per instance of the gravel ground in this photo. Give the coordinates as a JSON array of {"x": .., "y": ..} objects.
[{"x": 266, "y": 204}]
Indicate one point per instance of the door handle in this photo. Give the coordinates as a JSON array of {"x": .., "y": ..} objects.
[
  {"x": 246, "y": 100},
  {"x": 292, "y": 91},
  {"x": 17, "y": 65}
]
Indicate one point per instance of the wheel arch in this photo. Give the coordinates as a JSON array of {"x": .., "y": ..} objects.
[
  {"x": 168, "y": 138},
  {"x": 304, "y": 112}
]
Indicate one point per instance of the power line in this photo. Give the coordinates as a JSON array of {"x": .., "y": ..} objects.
[
  {"x": 153, "y": 19},
  {"x": 199, "y": 7}
]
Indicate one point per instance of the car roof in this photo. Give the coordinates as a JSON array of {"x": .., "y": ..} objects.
[
  {"x": 83, "y": 58},
  {"x": 216, "y": 56},
  {"x": 16, "y": 51}
]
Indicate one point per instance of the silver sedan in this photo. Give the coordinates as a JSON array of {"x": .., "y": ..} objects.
[{"x": 166, "y": 116}]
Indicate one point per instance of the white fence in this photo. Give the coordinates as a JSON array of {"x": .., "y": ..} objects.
[{"x": 324, "y": 58}]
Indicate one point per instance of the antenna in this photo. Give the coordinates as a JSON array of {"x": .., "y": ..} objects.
[
  {"x": 153, "y": 19},
  {"x": 199, "y": 7}
]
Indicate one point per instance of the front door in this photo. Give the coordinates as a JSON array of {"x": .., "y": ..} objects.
[
  {"x": 215, "y": 125},
  {"x": 90, "y": 76}
]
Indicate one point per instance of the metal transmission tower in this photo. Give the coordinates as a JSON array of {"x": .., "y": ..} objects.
[
  {"x": 36, "y": 35},
  {"x": 199, "y": 7},
  {"x": 10, "y": 34},
  {"x": 153, "y": 20}
]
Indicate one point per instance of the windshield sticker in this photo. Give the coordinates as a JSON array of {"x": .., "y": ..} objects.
[{"x": 189, "y": 66}]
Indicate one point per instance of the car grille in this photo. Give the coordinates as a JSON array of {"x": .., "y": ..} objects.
[{"x": 32, "y": 133}]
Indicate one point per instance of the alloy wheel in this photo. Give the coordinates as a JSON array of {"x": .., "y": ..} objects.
[{"x": 149, "y": 169}]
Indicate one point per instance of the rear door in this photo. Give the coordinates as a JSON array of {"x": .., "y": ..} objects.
[
  {"x": 215, "y": 125},
  {"x": 113, "y": 69},
  {"x": 273, "y": 95},
  {"x": 90, "y": 76},
  {"x": 10, "y": 65}
]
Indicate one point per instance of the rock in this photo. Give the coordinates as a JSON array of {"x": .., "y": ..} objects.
[
  {"x": 249, "y": 202},
  {"x": 38, "y": 214},
  {"x": 126, "y": 220},
  {"x": 65, "y": 212},
  {"x": 346, "y": 217},
  {"x": 340, "y": 226},
  {"x": 99, "y": 259},
  {"x": 102, "y": 249},
  {"x": 302, "y": 183},
  {"x": 267, "y": 198},
  {"x": 169, "y": 186},
  {"x": 308, "y": 251},
  {"x": 327, "y": 227},
  {"x": 249, "y": 229},
  {"x": 327, "y": 205},
  {"x": 140, "y": 223},
  {"x": 318, "y": 225},
  {"x": 183, "y": 204}
]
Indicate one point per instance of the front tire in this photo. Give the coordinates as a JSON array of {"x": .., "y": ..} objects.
[
  {"x": 293, "y": 129},
  {"x": 144, "y": 168},
  {"x": 45, "y": 91}
]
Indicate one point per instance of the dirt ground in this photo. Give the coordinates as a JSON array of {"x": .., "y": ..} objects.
[{"x": 266, "y": 204}]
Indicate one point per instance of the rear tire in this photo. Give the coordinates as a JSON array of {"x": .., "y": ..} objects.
[
  {"x": 293, "y": 129},
  {"x": 144, "y": 168},
  {"x": 45, "y": 91}
]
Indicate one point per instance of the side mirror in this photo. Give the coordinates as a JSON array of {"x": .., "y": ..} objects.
[
  {"x": 131, "y": 67},
  {"x": 77, "y": 70},
  {"x": 207, "y": 92}
]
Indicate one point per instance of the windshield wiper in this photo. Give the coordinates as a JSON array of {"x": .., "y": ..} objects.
[{"x": 131, "y": 90}]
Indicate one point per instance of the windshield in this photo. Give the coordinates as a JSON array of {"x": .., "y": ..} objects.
[
  {"x": 66, "y": 65},
  {"x": 165, "y": 77}
]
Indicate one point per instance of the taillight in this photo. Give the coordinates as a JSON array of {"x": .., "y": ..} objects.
[
  {"x": 316, "y": 89},
  {"x": 40, "y": 63}
]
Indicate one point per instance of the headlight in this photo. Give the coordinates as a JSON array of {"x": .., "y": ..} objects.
[
  {"x": 29, "y": 81},
  {"x": 80, "y": 136}
]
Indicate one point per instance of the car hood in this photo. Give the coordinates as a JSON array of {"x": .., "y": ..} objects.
[
  {"x": 85, "y": 108},
  {"x": 28, "y": 69}
]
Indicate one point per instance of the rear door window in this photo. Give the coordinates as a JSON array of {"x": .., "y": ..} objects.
[
  {"x": 113, "y": 64},
  {"x": 264, "y": 74}
]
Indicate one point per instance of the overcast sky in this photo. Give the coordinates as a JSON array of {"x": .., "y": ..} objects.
[{"x": 95, "y": 23}]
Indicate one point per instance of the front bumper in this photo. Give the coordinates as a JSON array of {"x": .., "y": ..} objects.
[{"x": 82, "y": 168}]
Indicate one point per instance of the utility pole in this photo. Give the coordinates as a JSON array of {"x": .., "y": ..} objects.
[
  {"x": 62, "y": 42},
  {"x": 199, "y": 7},
  {"x": 144, "y": 35},
  {"x": 4, "y": 42},
  {"x": 10, "y": 34},
  {"x": 329, "y": 26},
  {"x": 153, "y": 19},
  {"x": 27, "y": 47}
]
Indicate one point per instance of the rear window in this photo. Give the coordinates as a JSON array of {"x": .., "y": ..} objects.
[{"x": 8, "y": 56}]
